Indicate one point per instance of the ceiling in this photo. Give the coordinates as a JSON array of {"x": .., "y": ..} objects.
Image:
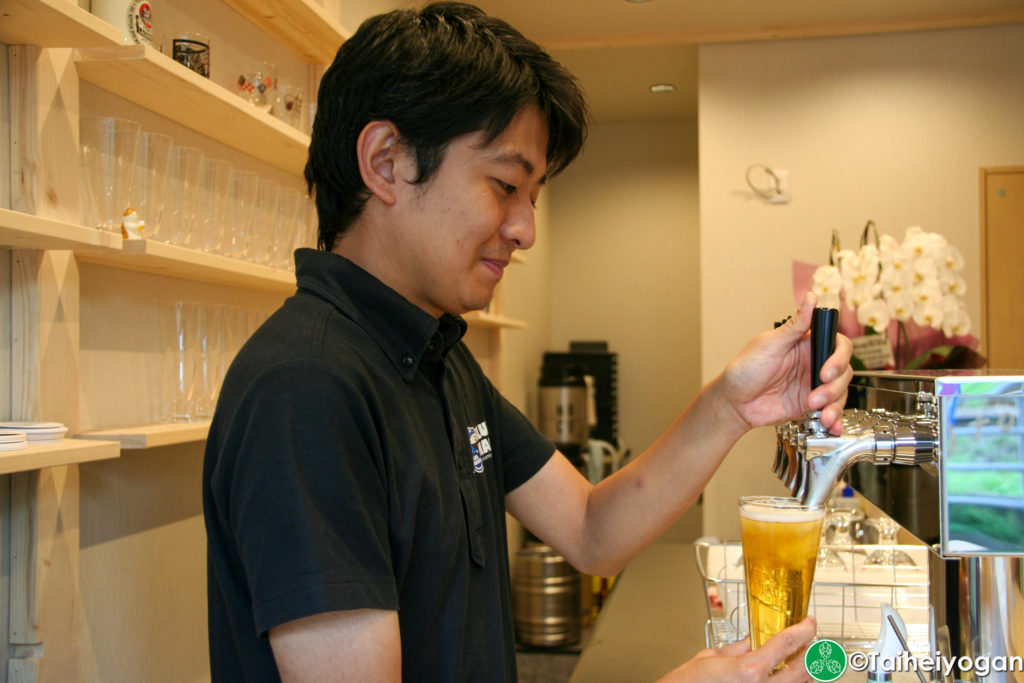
[{"x": 618, "y": 48}]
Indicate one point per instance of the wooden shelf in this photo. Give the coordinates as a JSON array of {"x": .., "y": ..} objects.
[
  {"x": 65, "y": 452},
  {"x": 155, "y": 81},
  {"x": 158, "y": 258},
  {"x": 24, "y": 231},
  {"x": 151, "y": 436},
  {"x": 300, "y": 25},
  {"x": 53, "y": 23},
  {"x": 483, "y": 319}
]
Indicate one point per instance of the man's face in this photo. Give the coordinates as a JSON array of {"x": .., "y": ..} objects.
[{"x": 454, "y": 235}]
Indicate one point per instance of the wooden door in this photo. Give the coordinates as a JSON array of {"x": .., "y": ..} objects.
[{"x": 1002, "y": 266}]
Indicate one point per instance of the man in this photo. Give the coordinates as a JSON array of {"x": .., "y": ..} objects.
[{"x": 352, "y": 533}]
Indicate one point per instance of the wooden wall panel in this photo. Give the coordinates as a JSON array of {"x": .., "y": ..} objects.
[{"x": 1002, "y": 235}]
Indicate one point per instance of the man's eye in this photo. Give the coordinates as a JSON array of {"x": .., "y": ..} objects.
[{"x": 506, "y": 188}]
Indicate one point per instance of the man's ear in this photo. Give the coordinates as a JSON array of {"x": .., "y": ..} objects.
[{"x": 379, "y": 156}]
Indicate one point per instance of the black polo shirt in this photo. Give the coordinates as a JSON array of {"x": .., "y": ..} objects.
[{"x": 358, "y": 457}]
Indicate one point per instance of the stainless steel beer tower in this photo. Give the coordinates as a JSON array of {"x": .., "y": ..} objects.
[{"x": 944, "y": 438}]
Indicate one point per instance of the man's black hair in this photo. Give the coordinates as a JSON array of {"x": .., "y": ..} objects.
[{"x": 436, "y": 73}]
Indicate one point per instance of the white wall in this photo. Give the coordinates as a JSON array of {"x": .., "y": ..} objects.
[
  {"x": 624, "y": 266},
  {"x": 892, "y": 128}
]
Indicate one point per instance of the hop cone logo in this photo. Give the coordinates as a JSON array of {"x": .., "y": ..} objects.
[{"x": 825, "y": 660}]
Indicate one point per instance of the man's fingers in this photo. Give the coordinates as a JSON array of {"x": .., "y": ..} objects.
[
  {"x": 787, "y": 642},
  {"x": 733, "y": 649}
]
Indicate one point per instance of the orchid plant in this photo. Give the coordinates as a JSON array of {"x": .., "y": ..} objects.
[{"x": 916, "y": 281}]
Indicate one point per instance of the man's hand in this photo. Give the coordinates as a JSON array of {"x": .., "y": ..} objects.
[
  {"x": 736, "y": 663},
  {"x": 770, "y": 380}
]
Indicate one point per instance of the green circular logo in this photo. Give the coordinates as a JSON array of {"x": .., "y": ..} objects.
[{"x": 825, "y": 660}]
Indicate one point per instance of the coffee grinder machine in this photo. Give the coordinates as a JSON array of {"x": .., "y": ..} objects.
[{"x": 562, "y": 406}]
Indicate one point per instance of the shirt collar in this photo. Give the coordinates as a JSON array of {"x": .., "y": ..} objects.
[{"x": 406, "y": 333}]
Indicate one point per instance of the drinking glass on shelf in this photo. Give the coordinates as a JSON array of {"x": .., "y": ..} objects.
[
  {"x": 289, "y": 214},
  {"x": 780, "y": 539},
  {"x": 839, "y": 522},
  {"x": 152, "y": 169},
  {"x": 288, "y": 106},
  {"x": 108, "y": 147},
  {"x": 889, "y": 556},
  {"x": 258, "y": 85},
  {"x": 193, "y": 51},
  {"x": 201, "y": 396},
  {"x": 243, "y": 191},
  {"x": 184, "y": 193},
  {"x": 262, "y": 248},
  {"x": 182, "y": 351},
  {"x": 214, "y": 197}
]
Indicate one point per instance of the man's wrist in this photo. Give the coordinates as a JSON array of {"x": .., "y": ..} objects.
[{"x": 725, "y": 415}]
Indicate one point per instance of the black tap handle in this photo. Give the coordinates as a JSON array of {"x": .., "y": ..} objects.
[{"x": 824, "y": 326}]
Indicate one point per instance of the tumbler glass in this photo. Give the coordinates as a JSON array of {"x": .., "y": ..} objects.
[
  {"x": 289, "y": 213},
  {"x": 258, "y": 85},
  {"x": 201, "y": 396},
  {"x": 263, "y": 249},
  {"x": 152, "y": 168},
  {"x": 108, "y": 147},
  {"x": 243, "y": 192},
  {"x": 214, "y": 196},
  {"x": 182, "y": 352},
  {"x": 780, "y": 547},
  {"x": 192, "y": 50},
  {"x": 288, "y": 106},
  {"x": 184, "y": 193}
]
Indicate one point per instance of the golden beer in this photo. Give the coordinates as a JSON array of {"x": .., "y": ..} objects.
[{"x": 780, "y": 549}]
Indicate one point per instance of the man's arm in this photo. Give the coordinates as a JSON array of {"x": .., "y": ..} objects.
[
  {"x": 598, "y": 529},
  {"x": 355, "y": 645}
]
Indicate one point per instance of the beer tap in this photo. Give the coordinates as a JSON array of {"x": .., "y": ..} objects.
[{"x": 810, "y": 461}]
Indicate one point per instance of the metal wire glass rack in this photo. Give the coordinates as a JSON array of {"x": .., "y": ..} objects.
[{"x": 846, "y": 599}]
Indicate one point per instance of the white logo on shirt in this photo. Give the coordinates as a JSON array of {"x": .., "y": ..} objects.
[{"x": 480, "y": 445}]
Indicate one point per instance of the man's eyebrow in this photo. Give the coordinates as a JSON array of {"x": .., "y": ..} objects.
[{"x": 517, "y": 159}]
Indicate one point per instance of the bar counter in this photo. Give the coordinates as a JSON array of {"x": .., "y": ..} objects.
[{"x": 652, "y": 622}]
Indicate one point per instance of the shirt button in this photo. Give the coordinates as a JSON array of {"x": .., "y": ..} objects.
[{"x": 408, "y": 361}]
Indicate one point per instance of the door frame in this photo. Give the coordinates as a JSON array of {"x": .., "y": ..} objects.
[{"x": 983, "y": 175}]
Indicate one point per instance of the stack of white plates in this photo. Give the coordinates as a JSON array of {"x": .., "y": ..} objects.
[
  {"x": 37, "y": 432},
  {"x": 11, "y": 440}
]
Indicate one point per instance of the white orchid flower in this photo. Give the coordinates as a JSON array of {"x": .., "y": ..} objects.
[
  {"x": 926, "y": 293},
  {"x": 924, "y": 269},
  {"x": 874, "y": 314},
  {"x": 862, "y": 292},
  {"x": 919, "y": 243},
  {"x": 888, "y": 243},
  {"x": 956, "y": 322},
  {"x": 830, "y": 300},
  {"x": 900, "y": 305},
  {"x": 895, "y": 281},
  {"x": 929, "y": 315},
  {"x": 826, "y": 281},
  {"x": 869, "y": 256},
  {"x": 895, "y": 259},
  {"x": 953, "y": 283},
  {"x": 950, "y": 258}
]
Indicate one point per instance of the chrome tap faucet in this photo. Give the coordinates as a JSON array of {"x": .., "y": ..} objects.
[{"x": 810, "y": 460}]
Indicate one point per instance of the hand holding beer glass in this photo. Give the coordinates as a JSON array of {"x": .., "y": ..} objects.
[{"x": 780, "y": 550}]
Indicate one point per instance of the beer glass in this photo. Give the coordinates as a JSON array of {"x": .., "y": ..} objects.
[
  {"x": 780, "y": 550},
  {"x": 108, "y": 148}
]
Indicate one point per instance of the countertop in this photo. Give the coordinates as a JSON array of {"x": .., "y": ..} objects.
[{"x": 652, "y": 622}]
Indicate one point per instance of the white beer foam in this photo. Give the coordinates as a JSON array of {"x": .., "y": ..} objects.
[{"x": 764, "y": 513}]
